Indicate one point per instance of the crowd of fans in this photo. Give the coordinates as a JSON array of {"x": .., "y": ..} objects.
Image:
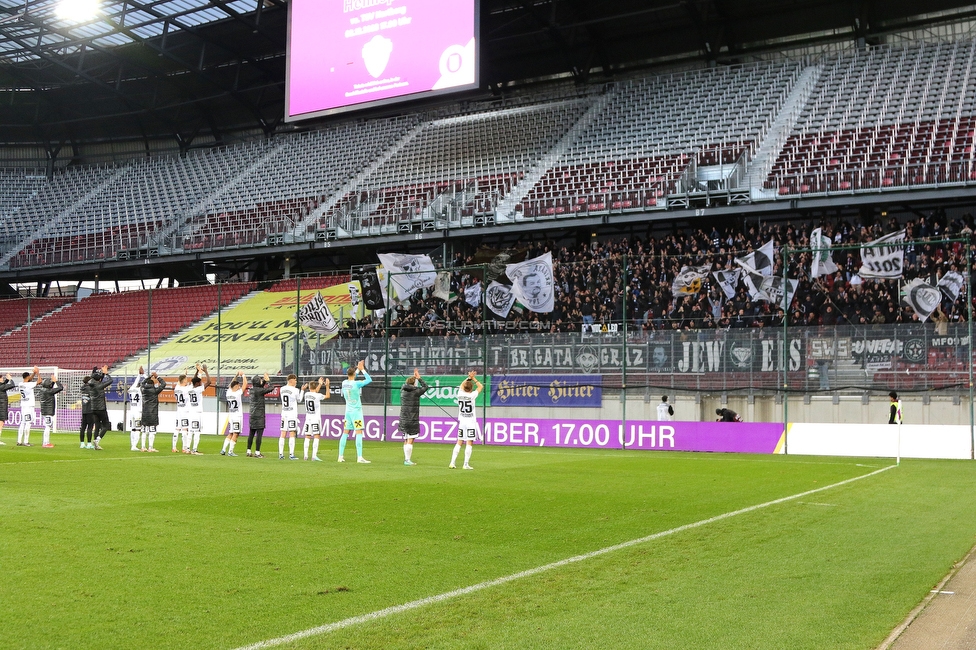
[{"x": 589, "y": 288}]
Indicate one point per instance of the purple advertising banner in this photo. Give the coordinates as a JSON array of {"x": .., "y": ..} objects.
[
  {"x": 737, "y": 437},
  {"x": 547, "y": 390}
]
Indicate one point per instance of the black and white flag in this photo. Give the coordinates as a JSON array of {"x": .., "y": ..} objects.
[
  {"x": 922, "y": 297},
  {"x": 316, "y": 316},
  {"x": 442, "y": 286},
  {"x": 727, "y": 280},
  {"x": 774, "y": 290},
  {"x": 884, "y": 257},
  {"x": 951, "y": 284},
  {"x": 408, "y": 273},
  {"x": 472, "y": 294},
  {"x": 689, "y": 280},
  {"x": 760, "y": 261},
  {"x": 823, "y": 263},
  {"x": 500, "y": 298},
  {"x": 532, "y": 283}
]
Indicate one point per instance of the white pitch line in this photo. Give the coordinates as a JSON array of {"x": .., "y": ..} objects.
[{"x": 430, "y": 600}]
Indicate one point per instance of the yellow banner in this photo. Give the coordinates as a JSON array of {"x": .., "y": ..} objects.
[{"x": 251, "y": 334}]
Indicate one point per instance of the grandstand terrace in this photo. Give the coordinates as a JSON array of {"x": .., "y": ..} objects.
[
  {"x": 874, "y": 119},
  {"x": 108, "y": 327}
]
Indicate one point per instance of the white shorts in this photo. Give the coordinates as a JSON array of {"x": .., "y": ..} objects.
[
  {"x": 289, "y": 423},
  {"x": 468, "y": 430},
  {"x": 196, "y": 420},
  {"x": 312, "y": 426},
  {"x": 48, "y": 420},
  {"x": 182, "y": 421},
  {"x": 135, "y": 421},
  {"x": 235, "y": 425},
  {"x": 28, "y": 415}
]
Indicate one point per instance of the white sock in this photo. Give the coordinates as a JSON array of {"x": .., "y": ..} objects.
[
  {"x": 467, "y": 453},
  {"x": 230, "y": 448},
  {"x": 196, "y": 440},
  {"x": 457, "y": 450},
  {"x": 176, "y": 439},
  {"x": 143, "y": 436},
  {"x": 186, "y": 439},
  {"x": 281, "y": 444},
  {"x": 308, "y": 443},
  {"x": 134, "y": 438},
  {"x": 226, "y": 444},
  {"x": 47, "y": 435},
  {"x": 407, "y": 451},
  {"x": 291, "y": 446},
  {"x": 315, "y": 447},
  {"x": 152, "y": 437}
]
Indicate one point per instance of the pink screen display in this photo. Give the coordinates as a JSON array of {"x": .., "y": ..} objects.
[{"x": 349, "y": 52}]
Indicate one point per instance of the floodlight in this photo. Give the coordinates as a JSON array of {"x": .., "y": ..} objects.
[{"x": 77, "y": 11}]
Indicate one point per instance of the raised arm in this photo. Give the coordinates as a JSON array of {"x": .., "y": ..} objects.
[
  {"x": 55, "y": 386},
  {"x": 138, "y": 378}
]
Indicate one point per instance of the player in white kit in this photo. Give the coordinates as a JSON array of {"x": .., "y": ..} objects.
[
  {"x": 195, "y": 401},
  {"x": 135, "y": 410},
  {"x": 291, "y": 397},
  {"x": 468, "y": 428},
  {"x": 27, "y": 412},
  {"x": 312, "y": 429},
  {"x": 665, "y": 412},
  {"x": 182, "y": 415},
  {"x": 235, "y": 413}
]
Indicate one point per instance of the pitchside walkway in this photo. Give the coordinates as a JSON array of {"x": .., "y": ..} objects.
[{"x": 947, "y": 619}]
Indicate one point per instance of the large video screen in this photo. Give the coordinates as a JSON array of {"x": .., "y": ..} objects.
[{"x": 346, "y": 54}]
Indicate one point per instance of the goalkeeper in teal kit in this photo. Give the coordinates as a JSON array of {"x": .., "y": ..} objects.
[{"x": 352, "y": 393}]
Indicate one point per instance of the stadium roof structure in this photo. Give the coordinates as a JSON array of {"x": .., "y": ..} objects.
[{"x": 183, "y": 69}]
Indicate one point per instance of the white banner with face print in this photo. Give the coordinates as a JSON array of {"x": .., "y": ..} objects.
[
  {"x": 532, "y": 283},
  {"x": 500, "y": 298},
  {"x": 689, "y": 280},
  {"x": 408, "y": 273}
]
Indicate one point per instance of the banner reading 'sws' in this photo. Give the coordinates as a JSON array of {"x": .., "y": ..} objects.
[{"x": 250, "y": 335}]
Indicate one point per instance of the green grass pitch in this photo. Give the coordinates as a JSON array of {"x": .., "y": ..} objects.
[{"x": 116, "y": 549}]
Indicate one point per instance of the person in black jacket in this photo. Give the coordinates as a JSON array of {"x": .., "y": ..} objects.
[
  {"x": 410, "y": 394},
  {"x": 47, "y": 390},
  {"x": 100, "y": 381},
  {"x": 5, "y": 385},
  {"x": 87, "y": 417},
  {"x": 151, "y": 388},
  {"x": 727, "y": 415},
  {"x": 260, "y": 387}
]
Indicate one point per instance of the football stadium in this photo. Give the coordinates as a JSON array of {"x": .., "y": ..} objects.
[{"x": 569, "y": 324}]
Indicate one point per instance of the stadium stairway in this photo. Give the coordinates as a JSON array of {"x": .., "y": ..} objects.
[
  {"x": 125, "y": 365},
  {"x": 34, "y": 320},
  {"x": 174, "y": 233},
  {"x": 775, "y": 139},
  {"x": 52, "y": 224},
  {"x": 322, "y": 213},
  {"x": 505, "y": 210}
]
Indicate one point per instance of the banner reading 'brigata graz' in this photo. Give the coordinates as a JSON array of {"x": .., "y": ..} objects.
[
  {"x": 547, "y": 390},
  {"x": 738, "y": 437}
]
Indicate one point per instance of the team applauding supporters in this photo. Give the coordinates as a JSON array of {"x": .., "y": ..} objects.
[{"x": 301, "y": 410}]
